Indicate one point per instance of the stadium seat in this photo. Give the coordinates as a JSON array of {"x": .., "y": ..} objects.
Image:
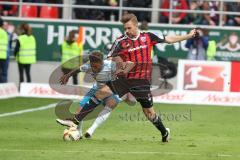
[
  {"x": 49, "y": 12},
  {"x": 29, "y": 11}
]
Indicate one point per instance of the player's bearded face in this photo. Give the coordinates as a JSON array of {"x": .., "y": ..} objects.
[
  {"x": 131, "y": 29},
  {"x": 96, "y": 66}
]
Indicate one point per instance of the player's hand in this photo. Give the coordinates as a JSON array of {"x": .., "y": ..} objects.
[
  {"x": 194, "y": 33},
  {"x": 119, "y": 72},
  {"x": 64, "y": 79}
]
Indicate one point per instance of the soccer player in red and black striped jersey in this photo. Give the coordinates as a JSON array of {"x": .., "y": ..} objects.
[
  {"x": 135, "y": 46},
  {"x": 137, "y": 50}
]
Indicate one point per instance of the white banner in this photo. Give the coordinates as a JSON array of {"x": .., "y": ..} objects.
[
  {"x": 8, "y": 90},
  {"x": 173, "y": 97},
  {"x": 204, "y": 75},
  {"x": 199, "y": 98},
  {"x": 43, "y": 91}
]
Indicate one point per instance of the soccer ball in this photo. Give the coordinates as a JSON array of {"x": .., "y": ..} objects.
[{"x": 71, "y": 134}]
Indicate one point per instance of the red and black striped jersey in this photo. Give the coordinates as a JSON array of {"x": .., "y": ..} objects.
[{"x": 137, "y": 50}]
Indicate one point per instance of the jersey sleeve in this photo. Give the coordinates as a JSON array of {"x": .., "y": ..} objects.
[
  {"x": 113, "y": 50},
  {"x": 85, "y": 67},
  {"x": 156, "y": 39},
  {"x": 113, "y": 66}
]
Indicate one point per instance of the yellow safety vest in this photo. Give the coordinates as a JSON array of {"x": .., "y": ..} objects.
[
  {"x": 3, "y": 44},
  {"x": 27, "y": 51},
  {"x": 69, "y": 52},
  {"x": 211, "y": 50}
]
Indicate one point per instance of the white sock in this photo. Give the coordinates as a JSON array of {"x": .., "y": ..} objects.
[
  {"x": 80, "y": 127},
  {"x": 102, "y": 117}
]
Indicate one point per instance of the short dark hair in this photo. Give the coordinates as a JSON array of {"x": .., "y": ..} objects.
[
  {"x": 129, "y": 17},
  {"x": 25, "y": 27},
  {"x": 73, "y": 32},
  {"x": 96, "y": 56}
]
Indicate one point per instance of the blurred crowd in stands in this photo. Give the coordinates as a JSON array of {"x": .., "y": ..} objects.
[
  {"x": 32, "y": 11},
  {"x": 210, "y": 18}
]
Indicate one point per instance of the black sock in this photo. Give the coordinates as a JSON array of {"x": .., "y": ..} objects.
[
  {"x": 87, "y": 108},
  {"x": 156, "y": 121}
]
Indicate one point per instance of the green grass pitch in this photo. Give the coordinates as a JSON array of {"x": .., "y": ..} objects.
[{"x": 197, "y": 133}]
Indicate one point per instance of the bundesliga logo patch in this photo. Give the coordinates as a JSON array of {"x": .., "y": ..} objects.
[{"x": 143, "y": 39}]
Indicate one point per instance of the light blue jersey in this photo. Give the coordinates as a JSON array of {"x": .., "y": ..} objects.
[{"x": 105, "y": 75}]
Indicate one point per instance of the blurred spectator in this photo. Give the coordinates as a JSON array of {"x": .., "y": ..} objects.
[
  {"x": 25, "y": 51},
  {"x": 198, "y": 46},
  {"x": 10, "y": 31},
  {"x": 90, "y": 14},
  {"x": 141, "y": 15},
  {"x": 3, "y": 53},
  {"x": 177, "y": 17},
  {"x": 125, "y": 12},
  {"x": 8, "y": 10},
  {"x": 71, "y": 53},
  {"x": 230, "y": 43},
  {"x": 81, "y": 13},
  {"x": 113, "y": 3},
  {"x": 231, "y": 20},
  {"x": 212, "y": 18},
  {"x": 143, "y": 26},
  {"x": 195, "y": 18},
  {"x": 111, "y": 15}
]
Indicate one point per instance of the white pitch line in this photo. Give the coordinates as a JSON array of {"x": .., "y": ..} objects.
[
  {"x": 121, "y": 152},
  {"x": 28, "y": 110}
]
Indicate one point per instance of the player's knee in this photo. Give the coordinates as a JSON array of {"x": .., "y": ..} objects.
[
  {"x": 111, "y": 102},
  {"x": 146, "y": 103},
  {"x": 103, "y": 93},
  {"x": 100, "y": 95}
]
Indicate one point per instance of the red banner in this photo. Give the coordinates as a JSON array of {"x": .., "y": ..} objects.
[{"x": 235, "y": 77}]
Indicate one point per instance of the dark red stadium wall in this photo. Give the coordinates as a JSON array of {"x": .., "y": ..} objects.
[{"x": 235, "y": 77}]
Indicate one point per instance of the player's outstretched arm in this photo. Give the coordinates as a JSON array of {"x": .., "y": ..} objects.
[
  {"x": 65, "y": 77},
  {"x": 173, "y": 39}
]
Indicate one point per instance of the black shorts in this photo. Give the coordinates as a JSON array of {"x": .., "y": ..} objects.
[{"x": 139, "y": 88}]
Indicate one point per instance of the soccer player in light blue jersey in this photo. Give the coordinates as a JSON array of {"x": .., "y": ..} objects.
[{"x": 102, "y": 71}]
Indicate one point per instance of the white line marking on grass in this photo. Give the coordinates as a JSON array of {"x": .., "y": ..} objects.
[
  {"x": 121, "y": 152},
  {"x": 28, "y": 110}
]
